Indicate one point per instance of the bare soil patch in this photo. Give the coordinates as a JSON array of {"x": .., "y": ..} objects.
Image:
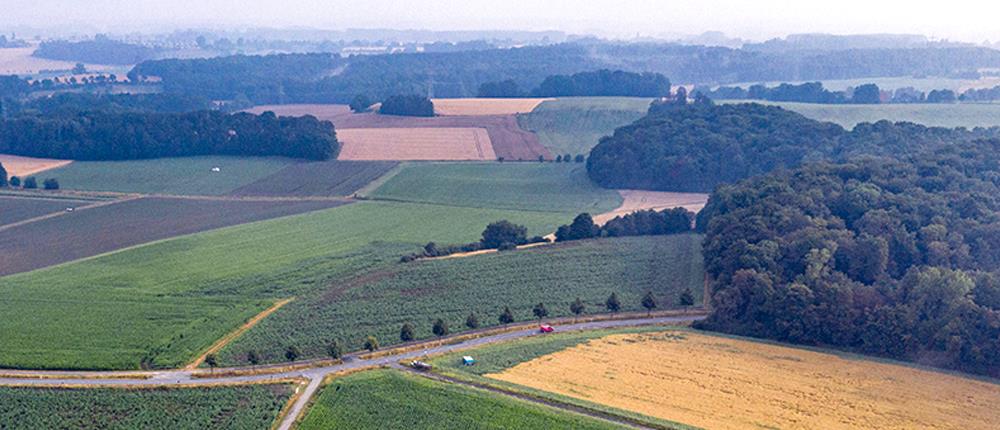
[
  {"x": 17, "y": 165},
  {"x": 474, "y": 106},
  {"x": 723, "y": 383},
  {"x": 639, "y": 200},
  {"x": 415, "y": 144},
  {"x": 323, "y": 112}
]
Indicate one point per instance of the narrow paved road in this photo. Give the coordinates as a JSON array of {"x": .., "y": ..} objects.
[{"x": 315, "y": 376}]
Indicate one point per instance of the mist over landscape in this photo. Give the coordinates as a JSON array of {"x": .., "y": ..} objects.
[{"x": 507, "y": 215}]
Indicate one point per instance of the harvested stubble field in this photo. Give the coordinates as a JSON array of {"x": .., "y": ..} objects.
[
  {"x": 179, "y": 175},
  {"x": 179, "y": 296},
  {"x": 638, "y": 200},
  {"x": 232, "y": 407},
  {"x": 88, "y": 232},
  {"x": 379, "y": 302},
  {"x": 16, "y": 209},
  {"x": 16, "y": 165},
  {"x": 453, "y": 107},
  {"x": 552, "y": 187},
  {"x": 324, "y": 178},
  {"x": 19, "y": 61},
  {"x": 374, "y": 144},
  {"x": 727, "y": 383},
  {"x": 390, "y": 399},
  {"x": 508, "y": 139}
]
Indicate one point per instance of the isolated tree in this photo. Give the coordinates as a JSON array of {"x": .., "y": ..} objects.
[
  {"x": 558, "y": 158},
  {"x": 567, "y": 158},
  {"x": 253, "y": 358},
  {"x": 371, "y": 343},
  {"x": 51, "y": 184},
  {"x": 30, "y": 182},
  {"x": 503, "y": 231},
  {"x": 541, "y": 158},
  {"x": 577, "y": 307},
  {"x": 580, "y": 158},
  {"x": 335, "y": 350},
  {"x": 506, "y": 317},
  {"x": 540, "y": 311},
  {"x": 649, "y": 302},
  {"x": 212, "y": 361},
  {"x": 867, "y": 94},
  {"x": 79, "y": 69},
  {"x": 292, "y": 353},
  {"x": 440, "y": 328},
  {"x": 612, "y": 303},
  {"x": 471, "y": 321},
  {"x": 15, "y": 181},
  {"x": 686, "y": 299},
  {"x": 406, "y": 332},
  {"x": 361, "y": 103}
]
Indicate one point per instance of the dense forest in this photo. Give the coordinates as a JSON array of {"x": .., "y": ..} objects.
[
  {"x": 604, "y": 83},
  {"x": 69, "y": 103},
  {"x": 409, "y": 105},
  {"x": 695, "y": 147},
  {"x": 118, "y": 136},
  {"x": 326, "y": 78},
  {"x": 899, "y": 258},
  {"x": 100, "y": 50}
]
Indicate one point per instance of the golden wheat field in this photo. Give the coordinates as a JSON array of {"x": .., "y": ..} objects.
[
  {"x": 450, "y": 107},
  {"x": 16, "y": 165},
  {"x": 426, "y": 143},
  {"x": 722, "y": 383}
]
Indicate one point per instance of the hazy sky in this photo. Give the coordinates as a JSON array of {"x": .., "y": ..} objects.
[{"x": 965, "y": 20}]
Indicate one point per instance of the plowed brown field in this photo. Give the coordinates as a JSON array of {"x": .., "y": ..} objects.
[
  {"x": 26, "y": 166},
  {"x": 452, "y": 107},
  {"x": 415, "y": 144},
  {"x": 721, "y": 383}
]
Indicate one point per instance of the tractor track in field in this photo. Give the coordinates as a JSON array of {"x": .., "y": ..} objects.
[{"x": 320, "y": 370}]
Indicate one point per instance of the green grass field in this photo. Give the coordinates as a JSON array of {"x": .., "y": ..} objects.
[
  {"x": 166, "y": 302},
  {"x": 389, "y": 399},
  {"x": 378, "y": 303},
  {"x": 938, "y": 115},
  {"x": 552, "y": 187},
  {"x": 186, "y": 175},
  {"x": 237, "y": 407},
  {"x": 574, "y": 125}
]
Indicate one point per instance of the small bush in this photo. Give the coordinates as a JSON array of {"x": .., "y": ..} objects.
[{"x": 51, "y": 184}]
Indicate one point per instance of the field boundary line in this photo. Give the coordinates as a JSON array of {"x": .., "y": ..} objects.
[
  {"x": 381, "y": 180},
  {"x": 225, "y": 340},
  {"x": 62, "y": 213}
]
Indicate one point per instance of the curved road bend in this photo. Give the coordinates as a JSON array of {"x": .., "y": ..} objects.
[{"x": 314, "y": 375}]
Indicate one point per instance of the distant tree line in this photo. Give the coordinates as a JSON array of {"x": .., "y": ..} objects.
[
  {"x": 598, "y": 83},
  {"x": 813, "y": 92},
  {"x": 119, "y": 136},
  {"x": 100, "y": 50},
  {"x": 69, "y": 103},
  {"x": 898, "y": 258},
  {"x": 697, "y": 146}
]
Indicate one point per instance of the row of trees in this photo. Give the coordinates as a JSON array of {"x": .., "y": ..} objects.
[
  {"x": 886, "y": 257},
  {"x": 439, "y": 327},
  {"x": 117, "y": 136},
  {"x": 598, "y": 83},
  {"x": 640, "y": 223},
  {"x": 697, "y": 146},
  {"x": 71, "y": 103}
]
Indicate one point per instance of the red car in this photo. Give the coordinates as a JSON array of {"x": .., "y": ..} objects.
[{"x": 545, "y": 328}]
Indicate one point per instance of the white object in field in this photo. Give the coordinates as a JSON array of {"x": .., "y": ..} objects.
[
  {"x": 468, "y": 361},
  {"x": 216, "y": 169}
]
